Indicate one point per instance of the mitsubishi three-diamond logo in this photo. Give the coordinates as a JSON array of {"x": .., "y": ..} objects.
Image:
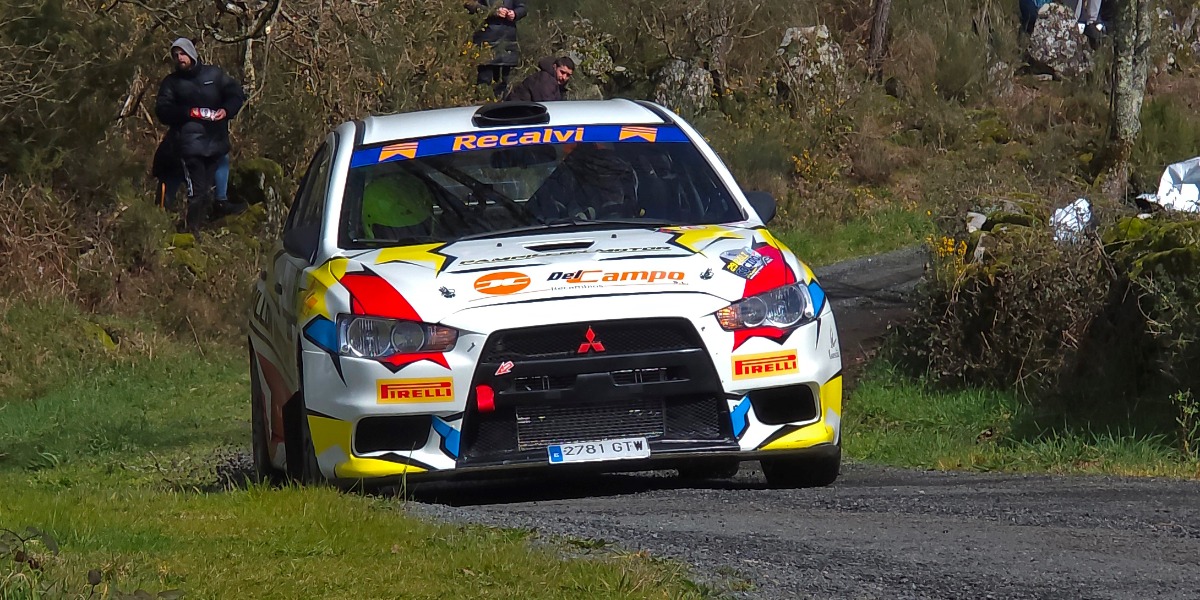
[{"x": 591, "y": 343}]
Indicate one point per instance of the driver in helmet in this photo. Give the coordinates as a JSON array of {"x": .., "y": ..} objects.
[
  {"x": 396, "y": 206},
  {"x": 593, "y": 182}
]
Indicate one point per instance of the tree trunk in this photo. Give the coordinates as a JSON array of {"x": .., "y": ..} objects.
[
  {"x": 1131, "y": 67},
  {"x": 879, "y": 26}
]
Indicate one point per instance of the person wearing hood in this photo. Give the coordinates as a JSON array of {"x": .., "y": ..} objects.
[
  {"x": 196, "y": 102},
  {"x": 548, "y": 84}
]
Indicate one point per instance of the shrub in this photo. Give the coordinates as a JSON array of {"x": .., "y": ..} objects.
[
  {"x": 1159, "y": 260},
  {"x": 1170, "y": 133},
  {"x": 872, "y": 160},
  {"x": 1008, "y": 310},
  {"x": 40, "y": 241},
  {"x": 1104, "y": 329}
]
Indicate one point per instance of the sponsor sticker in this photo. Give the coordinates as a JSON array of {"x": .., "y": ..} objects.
[
  {"x": 509, "y": 138},
  {"x": 745, "y": 263},
  {"x": 501, "y": 283},
  {"x": 769, "y": 364},
  {"x": 549, "y": 135},
  {"x": 599, "y": 275},
  {"x": 405, "y": 391},
  {"x": 648, "y": 134},
  {"x": 403, "y": 150}
]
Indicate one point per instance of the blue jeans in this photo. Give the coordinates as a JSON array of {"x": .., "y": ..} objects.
[
  {"x": 1029, "y": 15},
  {"x": 169, "y": 187}
]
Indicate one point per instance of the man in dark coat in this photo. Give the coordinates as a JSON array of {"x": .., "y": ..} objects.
[
  {"x": 196, "y": 103},
  {"x": 548, "y": 84},
  {"x": 499, "y": 33}
]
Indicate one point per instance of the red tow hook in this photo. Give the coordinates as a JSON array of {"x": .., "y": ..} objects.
[{"x": 485, "y": 399}]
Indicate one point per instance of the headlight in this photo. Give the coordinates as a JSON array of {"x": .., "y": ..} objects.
[
  {"x": 375, "y": 337},
  {"x": 783, "y": 307}
]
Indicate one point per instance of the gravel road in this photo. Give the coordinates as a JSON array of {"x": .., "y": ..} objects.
[{"x": 878, "y": 532}]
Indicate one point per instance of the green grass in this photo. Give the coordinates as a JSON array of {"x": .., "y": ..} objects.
[
  {"x": 116, "y": 463},
  {"x": 822, "y": 243},
  {"x": 893, "y": 419}
]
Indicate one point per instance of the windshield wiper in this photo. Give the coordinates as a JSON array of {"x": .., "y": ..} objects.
[
  {"x": 568, "y": 223},
  {"x": 400, "y": 241},
  {"x": 635, "y": 222},
  {"x": 553, "y": 224}
]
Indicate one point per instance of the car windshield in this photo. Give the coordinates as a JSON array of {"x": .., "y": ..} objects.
[{"x": 490, "y": 183}]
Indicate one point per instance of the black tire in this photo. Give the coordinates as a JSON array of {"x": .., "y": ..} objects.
[
  {"x": 302, "y": 465},
  {"x": 816, "y": 471},
  {"x": 713, "y": 469},
  {"x": 263, "y": 471}
]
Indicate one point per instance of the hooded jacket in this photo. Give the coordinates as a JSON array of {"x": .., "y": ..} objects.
[
  {"x": 201, "y": 86},
  {"x": 541, "y": 86}
]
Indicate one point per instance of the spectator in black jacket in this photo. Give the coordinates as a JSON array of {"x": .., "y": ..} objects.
[
  {"x": 548, "y": 84},
  {"x": 499, "y": 33},
  {"x": 196, "y": 103}
]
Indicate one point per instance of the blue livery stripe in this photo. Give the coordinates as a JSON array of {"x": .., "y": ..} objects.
[{"x": 514, "y": 138}]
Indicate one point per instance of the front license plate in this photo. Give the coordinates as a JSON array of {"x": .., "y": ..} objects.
[{"x": 602, "y": 450}]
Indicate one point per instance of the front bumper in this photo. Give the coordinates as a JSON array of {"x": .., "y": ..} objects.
[{"x": 542, "y": 390}]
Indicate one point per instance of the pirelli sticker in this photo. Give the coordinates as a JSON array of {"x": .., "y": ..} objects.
[
  {"x": 412, "y": 391},
  {"x": 770, "y": 364}
]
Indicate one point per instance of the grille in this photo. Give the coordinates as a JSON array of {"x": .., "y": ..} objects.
[
  {"x": 542, "y": 383},
  {"x": 617, "y": 337},
  {"x": 545, "y": 383},
  {"x": 697, "y": 418},
  {"x": 635, "y": 376},
  {"x": 540, "y": 426},
  {"x": 496, "y": 433}
]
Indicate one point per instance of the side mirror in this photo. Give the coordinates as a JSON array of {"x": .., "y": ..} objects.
[
  {"x": 302, "y": 241},
  {"x": 763, "y": 204}
]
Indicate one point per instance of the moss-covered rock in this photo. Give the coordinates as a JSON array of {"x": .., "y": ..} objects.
[
  {"x": 1020, "y": 153},
  {"x": 587, "y": 45},
  {"x": 183, "y": 240},
  {"x": 1163, "y": 245},
  {"x": 258, "y": 180},
  {"x": 1001, "y": 219},
  {"x": 98, "y": 333},
  {"x": 248, "y": 224},
  {"x": 993, "y": 130},
  {"x": 191, "y": 259}
]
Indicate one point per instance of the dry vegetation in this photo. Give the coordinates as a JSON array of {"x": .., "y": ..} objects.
[{"x": 952, "y": 124}]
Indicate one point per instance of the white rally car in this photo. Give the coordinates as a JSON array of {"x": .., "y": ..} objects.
[{"x": 517, "y": 286}]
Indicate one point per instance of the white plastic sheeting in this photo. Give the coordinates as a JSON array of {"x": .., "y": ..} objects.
[
  {"x": 1179, "y": 188},
  {"x": 1070, "y": 221}
]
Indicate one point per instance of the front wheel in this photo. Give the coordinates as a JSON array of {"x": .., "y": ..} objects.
[
  {"x": 302, "y": 464},
  {"x": 806, "y": 472},
  {"x": 259, "y": 439}
]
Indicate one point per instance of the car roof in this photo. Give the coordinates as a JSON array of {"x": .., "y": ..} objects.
[{"x": 445, "y": 121}]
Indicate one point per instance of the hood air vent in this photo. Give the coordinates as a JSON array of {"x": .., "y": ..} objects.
[{"x": 559, "y": 246}]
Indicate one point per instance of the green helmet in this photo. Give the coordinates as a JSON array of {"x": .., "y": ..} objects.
[{"x": 400, "y": 200}]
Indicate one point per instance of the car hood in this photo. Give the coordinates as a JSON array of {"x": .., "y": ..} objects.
[{"x": 438, "y": 280}]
